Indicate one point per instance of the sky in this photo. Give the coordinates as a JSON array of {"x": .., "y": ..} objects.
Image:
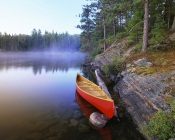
[{"x": 22, "y": 16}]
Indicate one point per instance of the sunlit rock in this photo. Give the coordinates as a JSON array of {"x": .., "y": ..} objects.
[{"x": 143, "y": 62}]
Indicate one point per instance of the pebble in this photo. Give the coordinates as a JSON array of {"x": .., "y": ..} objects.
[
  {"x": 73, "y": 122},
  {"x": 77, "y": 114},
  {"x": 128, "y": 65},
  {"x": 83, "y": 128},
  {"x": 172, "y": 78}
]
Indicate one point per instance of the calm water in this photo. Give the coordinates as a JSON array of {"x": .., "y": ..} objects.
[{"x": 38, "y": 100}]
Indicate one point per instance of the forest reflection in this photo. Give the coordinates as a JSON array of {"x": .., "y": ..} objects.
[{"x": 41, "y": 61}]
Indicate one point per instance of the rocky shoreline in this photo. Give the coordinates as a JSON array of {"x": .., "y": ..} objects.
[{"x": 142, "y": 94}]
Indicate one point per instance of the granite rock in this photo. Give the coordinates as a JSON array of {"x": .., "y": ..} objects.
[
  {"x": 143, "y": 62},
  {"x": 143, "y": 96}
]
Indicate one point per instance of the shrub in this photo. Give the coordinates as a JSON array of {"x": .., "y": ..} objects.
[
  {"x": 95, "y": 52},
  {"x": 116, "y": 65},
  {"x": 162, "y": 124}
]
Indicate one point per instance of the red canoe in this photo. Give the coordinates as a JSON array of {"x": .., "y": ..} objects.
[{"x": 95, "y": 95}]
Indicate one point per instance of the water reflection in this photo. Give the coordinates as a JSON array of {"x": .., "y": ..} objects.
[
  {"x": 36, "y": 94},
  {"x": 88, "y": 109}
]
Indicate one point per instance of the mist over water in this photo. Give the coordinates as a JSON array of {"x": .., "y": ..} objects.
[{"x": 48, "y": 61}]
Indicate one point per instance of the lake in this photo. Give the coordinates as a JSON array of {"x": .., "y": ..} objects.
[{"x": 38, "y": 100}]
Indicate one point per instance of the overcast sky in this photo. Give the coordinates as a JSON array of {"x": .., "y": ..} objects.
[{"x": 22, "y": 16}]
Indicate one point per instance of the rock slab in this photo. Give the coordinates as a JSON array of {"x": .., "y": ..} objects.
[{"x": 144, "y": 95}]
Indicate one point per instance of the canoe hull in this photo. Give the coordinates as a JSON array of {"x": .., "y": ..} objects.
[{"x": 105, "y": 106}]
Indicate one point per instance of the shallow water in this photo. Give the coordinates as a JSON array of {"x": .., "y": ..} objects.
[{"x": 38, "y": 100}]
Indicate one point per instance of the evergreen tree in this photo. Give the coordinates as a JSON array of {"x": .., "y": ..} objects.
[
  {"x": 134, "y": 25},
  {"x": 145, "y": 28},
  {"x": 34, "y": 37},
  {"x": 37, "y": 41},
  {"x": 158, "y": 31},
  {"x": 87, "y": 23},
  {"x": 40, "y": 39}
]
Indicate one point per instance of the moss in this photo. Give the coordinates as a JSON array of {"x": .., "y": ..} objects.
[
  {"x": 145, "y": 70},
  {"x": 140, "y": 70},
  {"x": 105, "y": 69},
  {"x": 150, "y": 71}
]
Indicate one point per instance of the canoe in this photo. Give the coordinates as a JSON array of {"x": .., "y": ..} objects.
[{"x": 95, "y": 95}]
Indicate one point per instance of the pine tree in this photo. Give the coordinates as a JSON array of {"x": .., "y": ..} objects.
[
  {"x": 145, "y": 28},
  {"x": 134, "y": 26},
  {"x": 87, "y": 24},
  {"x": 158, "y": 31}
]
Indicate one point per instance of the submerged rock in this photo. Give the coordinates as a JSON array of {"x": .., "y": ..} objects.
[
  {"x": 83, "y": 128},
  {"x": 73, "y": 122},
  {"x": 35, "y": 136},
  {"x": 76, "y": 114},
  {"x": 41, "y": 126},
  {"x": 98, "y": 120},
  {"x": 52, "y": 138}
]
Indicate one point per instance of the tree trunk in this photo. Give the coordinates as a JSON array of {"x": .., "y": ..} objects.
[
  {"x": 169, "y": 13},
  {"x": 88, "y": 35},
  {"x": 145, "y": 29},
  {"x": 120, "y": 22},
  {"x": 126, "y": 15},
  {"x": 173, "y": 25},
  {"x": 104, "y": 32},
  {"x": 88, "y": 39},
  {"x": 114, "y": 26},
  {"x": 101, "y": 83},
  {"x": 103, "y": 86}
]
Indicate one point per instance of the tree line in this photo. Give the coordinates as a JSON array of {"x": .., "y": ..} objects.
[
  {"x": 141, "y": 22},
  {"x": 39, "y": 42}
]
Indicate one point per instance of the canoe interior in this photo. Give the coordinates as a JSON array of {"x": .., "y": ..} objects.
[
  {"x": 95, "y": 95},
  {"x": 90, "y": 88}
]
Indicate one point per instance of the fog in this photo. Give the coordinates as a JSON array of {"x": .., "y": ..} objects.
[{"x": 50, "y": 60}]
